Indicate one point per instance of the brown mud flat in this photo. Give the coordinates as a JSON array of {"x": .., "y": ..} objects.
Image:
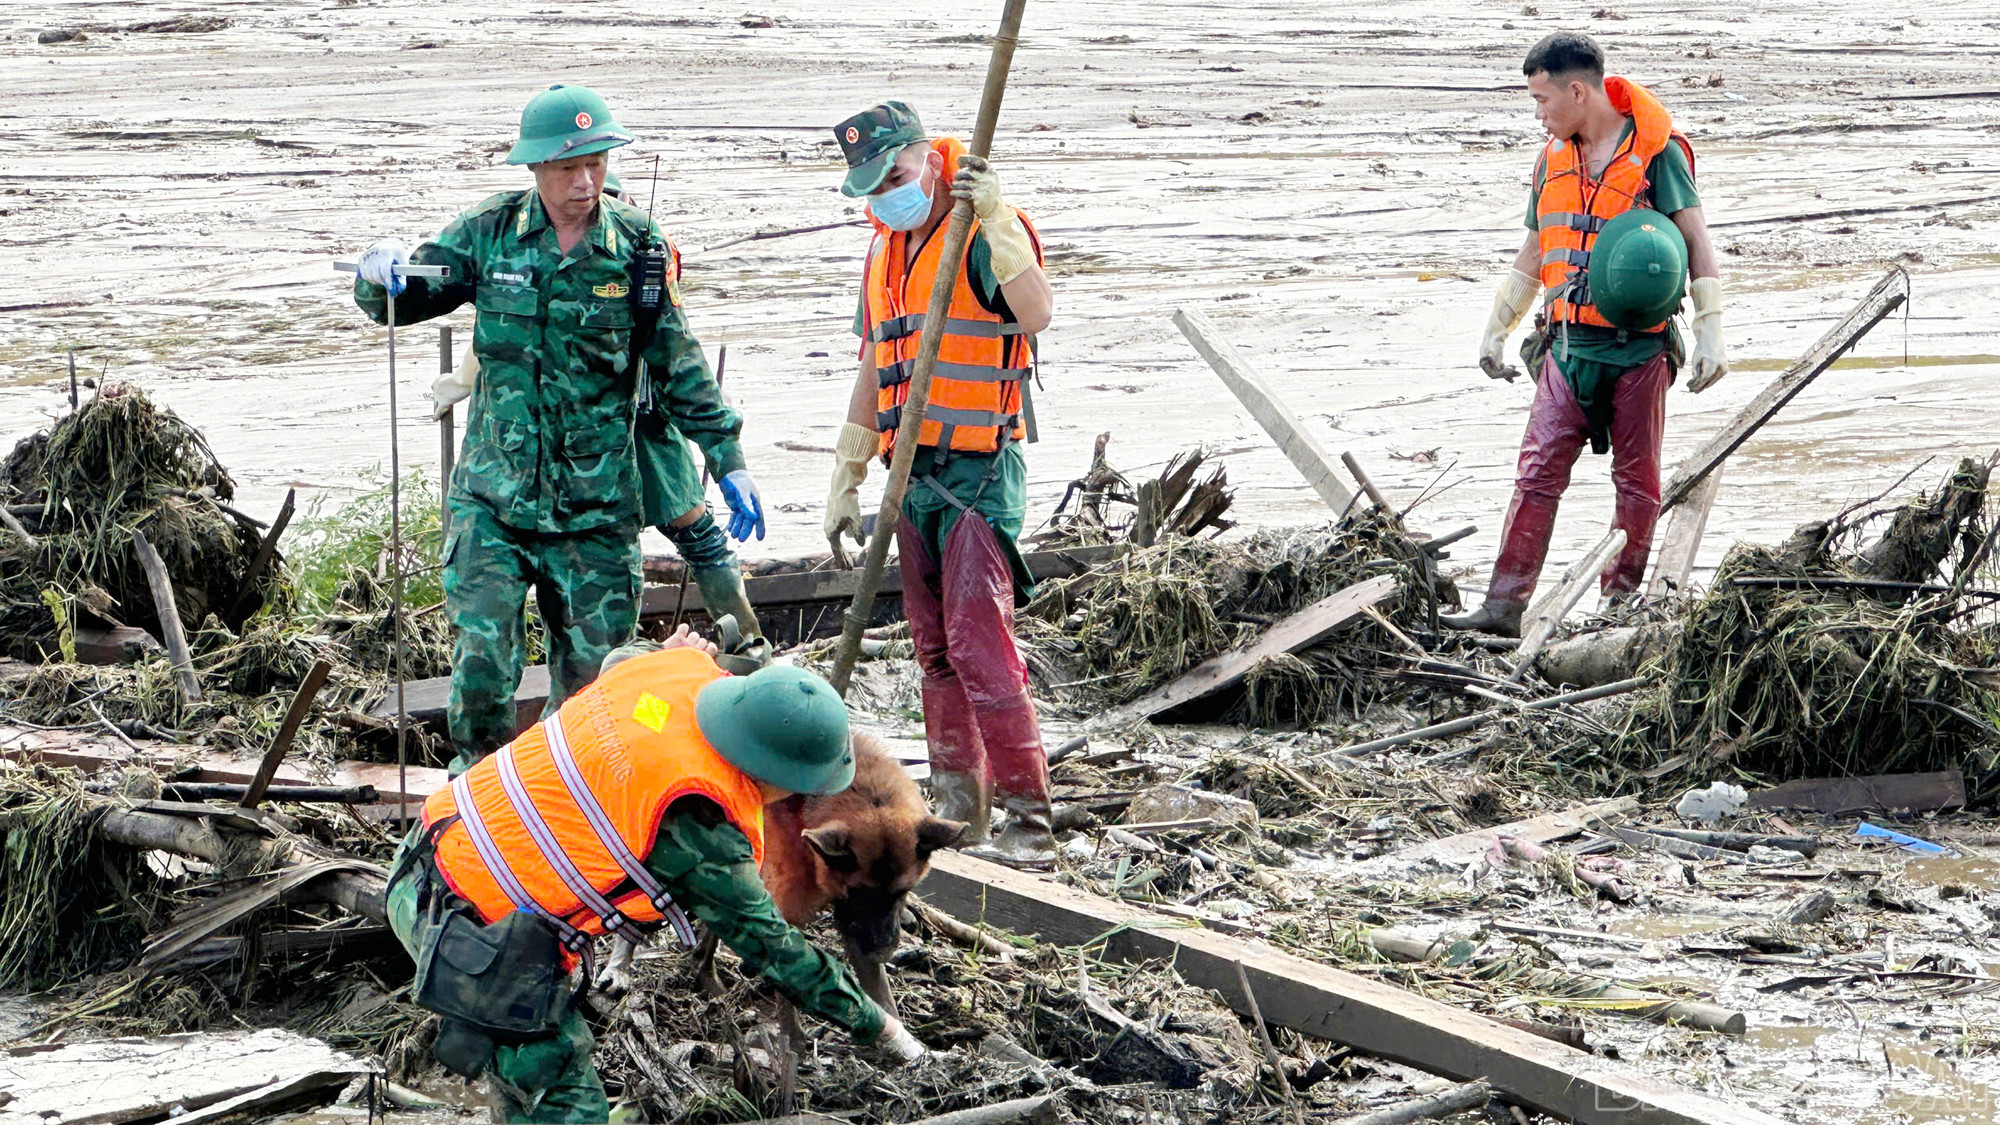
[{"x": 1337, "y": 186}]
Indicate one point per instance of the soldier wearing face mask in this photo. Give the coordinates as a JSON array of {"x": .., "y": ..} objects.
[{"x": 962, "y": 570}]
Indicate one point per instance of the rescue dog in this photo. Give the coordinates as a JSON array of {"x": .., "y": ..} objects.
[{"x": 859, "y": 852}]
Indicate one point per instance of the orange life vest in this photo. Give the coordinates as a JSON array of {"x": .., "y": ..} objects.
[
  {"x": 976, "y": 386},
  {"x": 559, "y": 821},
  {"x": 1572, "y": 207}
]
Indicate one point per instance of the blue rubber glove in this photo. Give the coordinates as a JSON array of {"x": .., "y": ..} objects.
[
  {"x": 376, "y": 263},
  {"x": 746, "y": 507}
]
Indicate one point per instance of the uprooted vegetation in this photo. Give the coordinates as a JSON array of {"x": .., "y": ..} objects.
[
  {"x": 1829, "y": 655},
  {"x": 121, "y": 464}
]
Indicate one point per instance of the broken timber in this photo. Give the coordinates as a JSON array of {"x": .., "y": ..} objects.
[
  {"x": 1368, "y": 1015},
  {"x": 1301, "y": 630},
  {"x": 1456, "y": 851},
  {"x": 1888, "y": 294},
  {"x": 1550, "y": 609},
  {"x": 91, "y": 757},
  {"x": 1271, "y": 413},
  {"x": 1686, "y": 525},
  {"x": 1481, "y": 718},
  {"x": 1889, "y": 792},
  {"x": 208, "y": 1076}
]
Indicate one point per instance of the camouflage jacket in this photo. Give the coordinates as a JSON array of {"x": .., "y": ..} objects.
[{"x": 548, "y": 443}]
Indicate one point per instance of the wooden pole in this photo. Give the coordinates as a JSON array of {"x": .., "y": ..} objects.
[
  {"x": 447, "y": 437},
  {"x": 911, "y": 426},
  {"x": 170, "y": 617},
  {"x": 1547, "y": 613},
  {"x": 1367, "y": 485},
  {"x": 1472, "y": 1095},
  {"x": 287, "y": 730},
  {"x": 1298, "y": 446},
  {"x": 267, "y": 549},
  {"x": 1888, "y": 294},
  {"x": 1479, "y": 719}
]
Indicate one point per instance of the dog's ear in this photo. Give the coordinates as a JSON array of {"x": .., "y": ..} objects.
[
  {"x": 935, "y": 833},
  {"x": 834, "y": 844}
]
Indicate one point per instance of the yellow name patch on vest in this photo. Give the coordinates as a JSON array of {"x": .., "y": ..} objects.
[
  {"x": 651, "y": 712},
  {"x": 611, "y": 289}
]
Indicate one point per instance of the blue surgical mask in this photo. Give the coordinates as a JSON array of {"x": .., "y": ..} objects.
[{"x": 904, "y": 207}]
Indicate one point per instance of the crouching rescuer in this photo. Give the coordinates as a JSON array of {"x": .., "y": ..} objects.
[
  {"x": 1615, "y": 234},
  {"x": 637, "y": 806},
  {"x": 962, "y": 570}
]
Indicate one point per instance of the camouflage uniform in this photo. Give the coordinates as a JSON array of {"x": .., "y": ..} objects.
[{"x": 547, "y": 492}]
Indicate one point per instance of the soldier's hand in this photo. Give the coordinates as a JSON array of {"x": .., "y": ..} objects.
[
  {"x": 1705, "y": 293},
  {"x": 978, "y": 183},
  {"x": 683, "y": 637},
  {"x": 746, "y": 506},
  {"x": 1496, "y": 370},
  {"x": 377, "y": 264}
]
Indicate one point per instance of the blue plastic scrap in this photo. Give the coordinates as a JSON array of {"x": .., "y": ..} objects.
[{"x": 1907, "y": 843}]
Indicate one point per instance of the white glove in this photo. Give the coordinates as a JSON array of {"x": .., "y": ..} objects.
[
  {"x": 1013, "y": 252},
  {"x": 376, "y": 263},
  {"x": 1517, "y": 295},
  {"x": 897, "y": 1041},
  {"x": 454, "y": 386},
  {"x": 851, "y": 453},
  {"x": 1709, "y": 362}
]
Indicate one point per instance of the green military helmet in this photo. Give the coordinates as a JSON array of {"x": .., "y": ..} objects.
[
  {"x": 565, "y": 121},
  {"x": 781, "y": 725},
  {"x": 1638, "y": 269}
]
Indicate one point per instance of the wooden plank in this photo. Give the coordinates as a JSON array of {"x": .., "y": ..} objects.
[
  {"x": 1686, "y": 525},
  {"x": 1374, "y": 1017},
  {"x": 832, "y": 586},
  {"x": 1888, "y": 294},
  {"x": 1539, "y": 623},
  {"x": 1916, "y": 792},
  {"x": 91, "y": 757},
  {"x": 167, "y": 1077},
  {"x": 1301, "y": 630},
  {"x": 1266, "y": 407},
  {"x": 288, "y": 729},
  {"x": 170, "y": 617},
  {"x": 117, "y": 644}
]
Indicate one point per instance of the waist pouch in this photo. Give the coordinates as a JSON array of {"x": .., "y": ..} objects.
[{"x": 502, "y": 983}]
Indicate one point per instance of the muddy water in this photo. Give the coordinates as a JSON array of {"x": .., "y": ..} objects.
[{"x": 1338, "y": 185}]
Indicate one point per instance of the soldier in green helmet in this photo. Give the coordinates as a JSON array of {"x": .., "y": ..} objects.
[
  {"x": 1616, "y": 235},
  {"x": 552, "y": 484}
]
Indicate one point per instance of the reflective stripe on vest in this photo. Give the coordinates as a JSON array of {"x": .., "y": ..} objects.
[
  {"x": 901, "y": 370},
  {"x": 910, "y": 324},
  {"x": 551, "y": 848},
  {"x": 982, "y": 357},
  {"x": 600, "y": 823},
  {"x": 496, "y": 863},
  {"x": 1572, "y": 207}
]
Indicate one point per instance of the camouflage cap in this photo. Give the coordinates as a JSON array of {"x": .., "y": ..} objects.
[{"x": 871, "y": 139}]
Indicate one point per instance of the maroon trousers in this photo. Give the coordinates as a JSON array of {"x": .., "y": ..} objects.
[
  {"x": 1557, "y": 431},
  {"x": 978, "y": 717}
]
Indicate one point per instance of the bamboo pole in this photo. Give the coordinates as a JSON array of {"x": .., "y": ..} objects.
[
  {"x": 911, "y": 426},
  {"x": 170, "y": 617}
]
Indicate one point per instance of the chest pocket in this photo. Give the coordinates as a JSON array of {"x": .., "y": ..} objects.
[
  {"x": 508, "y": 316},
  {"x": 604, "y": 333}
]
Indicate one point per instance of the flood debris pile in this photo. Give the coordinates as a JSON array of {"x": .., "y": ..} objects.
[
  {"x": 1828, "y": 655},
  {"x": 1135, "y": 623},
  {"x": 118, "y": 465},
  {"x": 76, "y": 605},
  {"x": 1114, "y": 1040}
]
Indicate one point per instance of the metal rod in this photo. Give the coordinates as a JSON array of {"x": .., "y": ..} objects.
[
  {"x": 447, "y": 437},
  {"x": 396, "y": 573},
  {"x": 911, "y": 427}
]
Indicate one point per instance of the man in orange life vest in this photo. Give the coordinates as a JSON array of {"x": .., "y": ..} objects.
[
  {"x": 962, "y": 571},
  {"x": 637, "y": 804},
  {"x": 1612, "y": 147}
]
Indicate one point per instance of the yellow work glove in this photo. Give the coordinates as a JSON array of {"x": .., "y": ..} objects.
[
  {"x": 1709, "y": 363},
  {"x": 1517, "y": 295},
  {"x": 1013, "y": 253},
  {"x": 851, "y": 454},
  {"x": 455, "y": 386}
]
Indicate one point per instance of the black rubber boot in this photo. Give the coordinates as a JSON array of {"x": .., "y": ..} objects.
[{"x": 1501, "y": 619}]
